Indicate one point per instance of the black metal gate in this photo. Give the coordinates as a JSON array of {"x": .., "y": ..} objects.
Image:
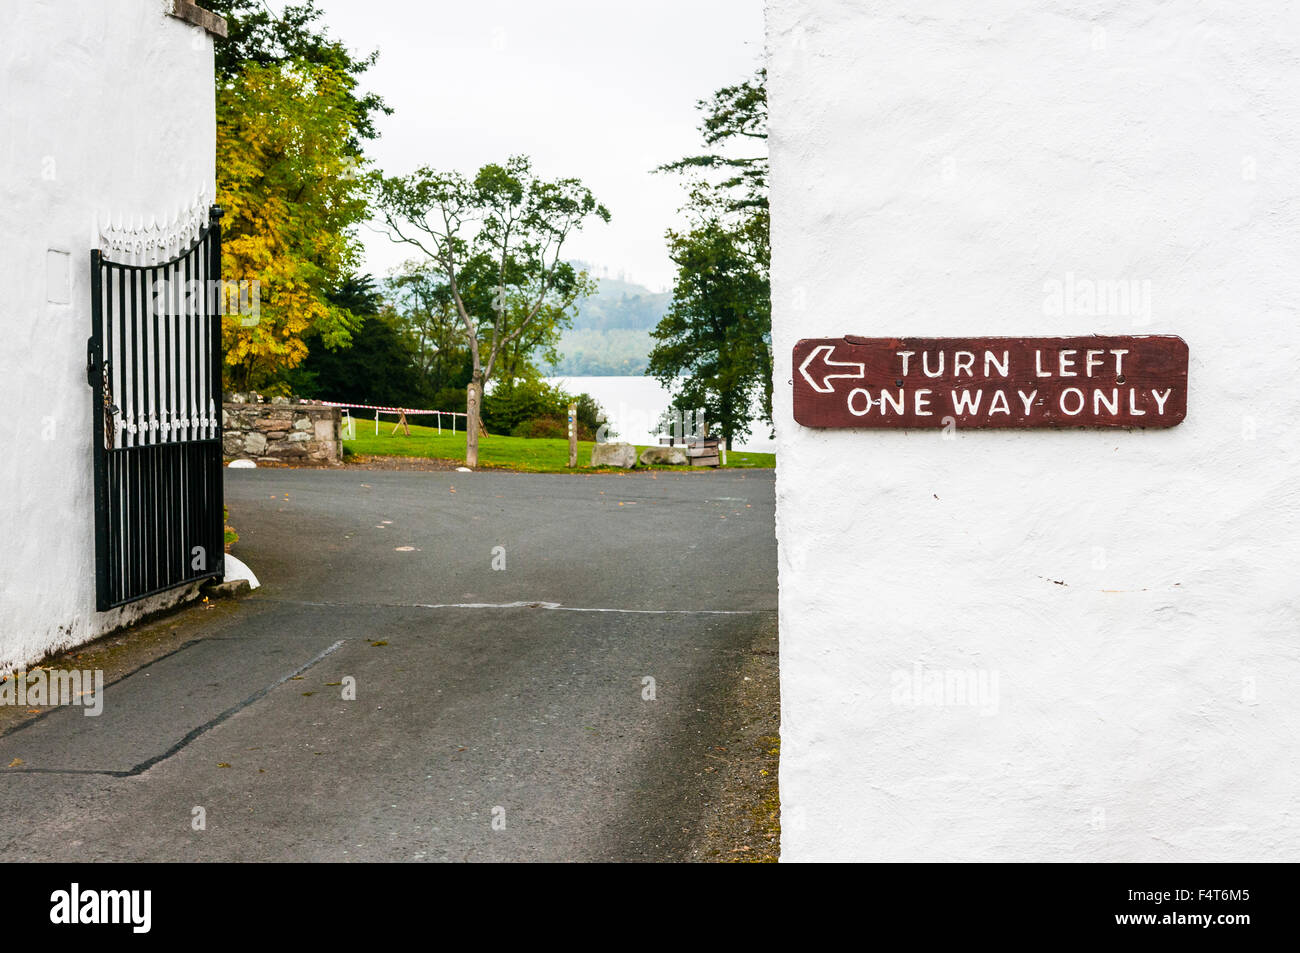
[{"x": 154, "y": 362}]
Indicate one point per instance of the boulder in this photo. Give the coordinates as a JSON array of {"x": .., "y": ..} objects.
[
  {"x": 663, "y": 456},
  {"x": 613, "y": 455}
]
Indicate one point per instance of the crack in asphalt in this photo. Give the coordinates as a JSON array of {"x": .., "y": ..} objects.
[{"x": 145, "y": 765}]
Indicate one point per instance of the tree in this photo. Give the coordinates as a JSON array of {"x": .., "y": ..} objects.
[
  {"x": 378, "y": 368},
  {"x": 714, "y": 334},
  {"x": 497, "y": 240},
  {"x": 423, "y": 304},
  {"x": 718, "y": 329},
  {"x": 359, "y": 295},
  {"x": 521, "y": 357},
  {"x": 257, "y": 36},
  {"x": 735, "y": 115},
  {"x": 291, "y": 198},
  {"x": 290, "y": 127}
]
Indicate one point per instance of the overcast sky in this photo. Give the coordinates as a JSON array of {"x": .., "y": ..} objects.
[{"x": 599, "y": 89}]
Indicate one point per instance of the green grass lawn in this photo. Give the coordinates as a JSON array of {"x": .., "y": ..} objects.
[{"x": 511, "y": 453}]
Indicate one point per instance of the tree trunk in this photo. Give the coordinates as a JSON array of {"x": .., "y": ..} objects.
[{"x": 473, "y": 400}]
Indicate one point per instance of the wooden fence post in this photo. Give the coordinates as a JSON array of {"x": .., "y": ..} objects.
[{"x": 573, "y": 435}]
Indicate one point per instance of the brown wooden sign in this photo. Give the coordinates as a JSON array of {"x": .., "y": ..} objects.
[{"x": 1093, "y": 381}]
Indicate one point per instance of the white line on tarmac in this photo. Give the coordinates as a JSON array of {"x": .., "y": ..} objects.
[{"x": 529, "y": 605}]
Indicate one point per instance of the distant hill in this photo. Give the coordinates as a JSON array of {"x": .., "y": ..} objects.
[{"x": 611, "y": 332}]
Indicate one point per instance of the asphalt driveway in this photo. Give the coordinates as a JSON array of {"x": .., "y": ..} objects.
[{"x": 438, "y": 666}]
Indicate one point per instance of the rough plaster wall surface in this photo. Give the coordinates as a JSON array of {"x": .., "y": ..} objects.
[
  {"x": 1127, "y": 598},
  {"x": 106, "y": 111}
]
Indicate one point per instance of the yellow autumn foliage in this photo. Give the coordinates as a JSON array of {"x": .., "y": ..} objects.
[{"x": 291, "y": 186}]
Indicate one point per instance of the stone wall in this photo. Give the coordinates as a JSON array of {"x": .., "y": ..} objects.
[{"x": 282, "y": 432}]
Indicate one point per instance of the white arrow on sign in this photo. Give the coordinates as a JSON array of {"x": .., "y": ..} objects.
[{"x": 827, "y": 350}]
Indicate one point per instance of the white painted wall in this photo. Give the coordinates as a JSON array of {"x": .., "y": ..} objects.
[
  {"x": 106, "y": 110},
  {"x": 935, "y": 167}
]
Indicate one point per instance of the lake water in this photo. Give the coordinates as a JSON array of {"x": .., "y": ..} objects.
[{"x": 635, "y": 404}]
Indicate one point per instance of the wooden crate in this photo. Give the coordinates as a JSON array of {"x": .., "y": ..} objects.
[{"x": 704, "y": 452}]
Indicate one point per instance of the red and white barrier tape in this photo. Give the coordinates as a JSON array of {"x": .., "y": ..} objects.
[{"x": 391, "y": 410}]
